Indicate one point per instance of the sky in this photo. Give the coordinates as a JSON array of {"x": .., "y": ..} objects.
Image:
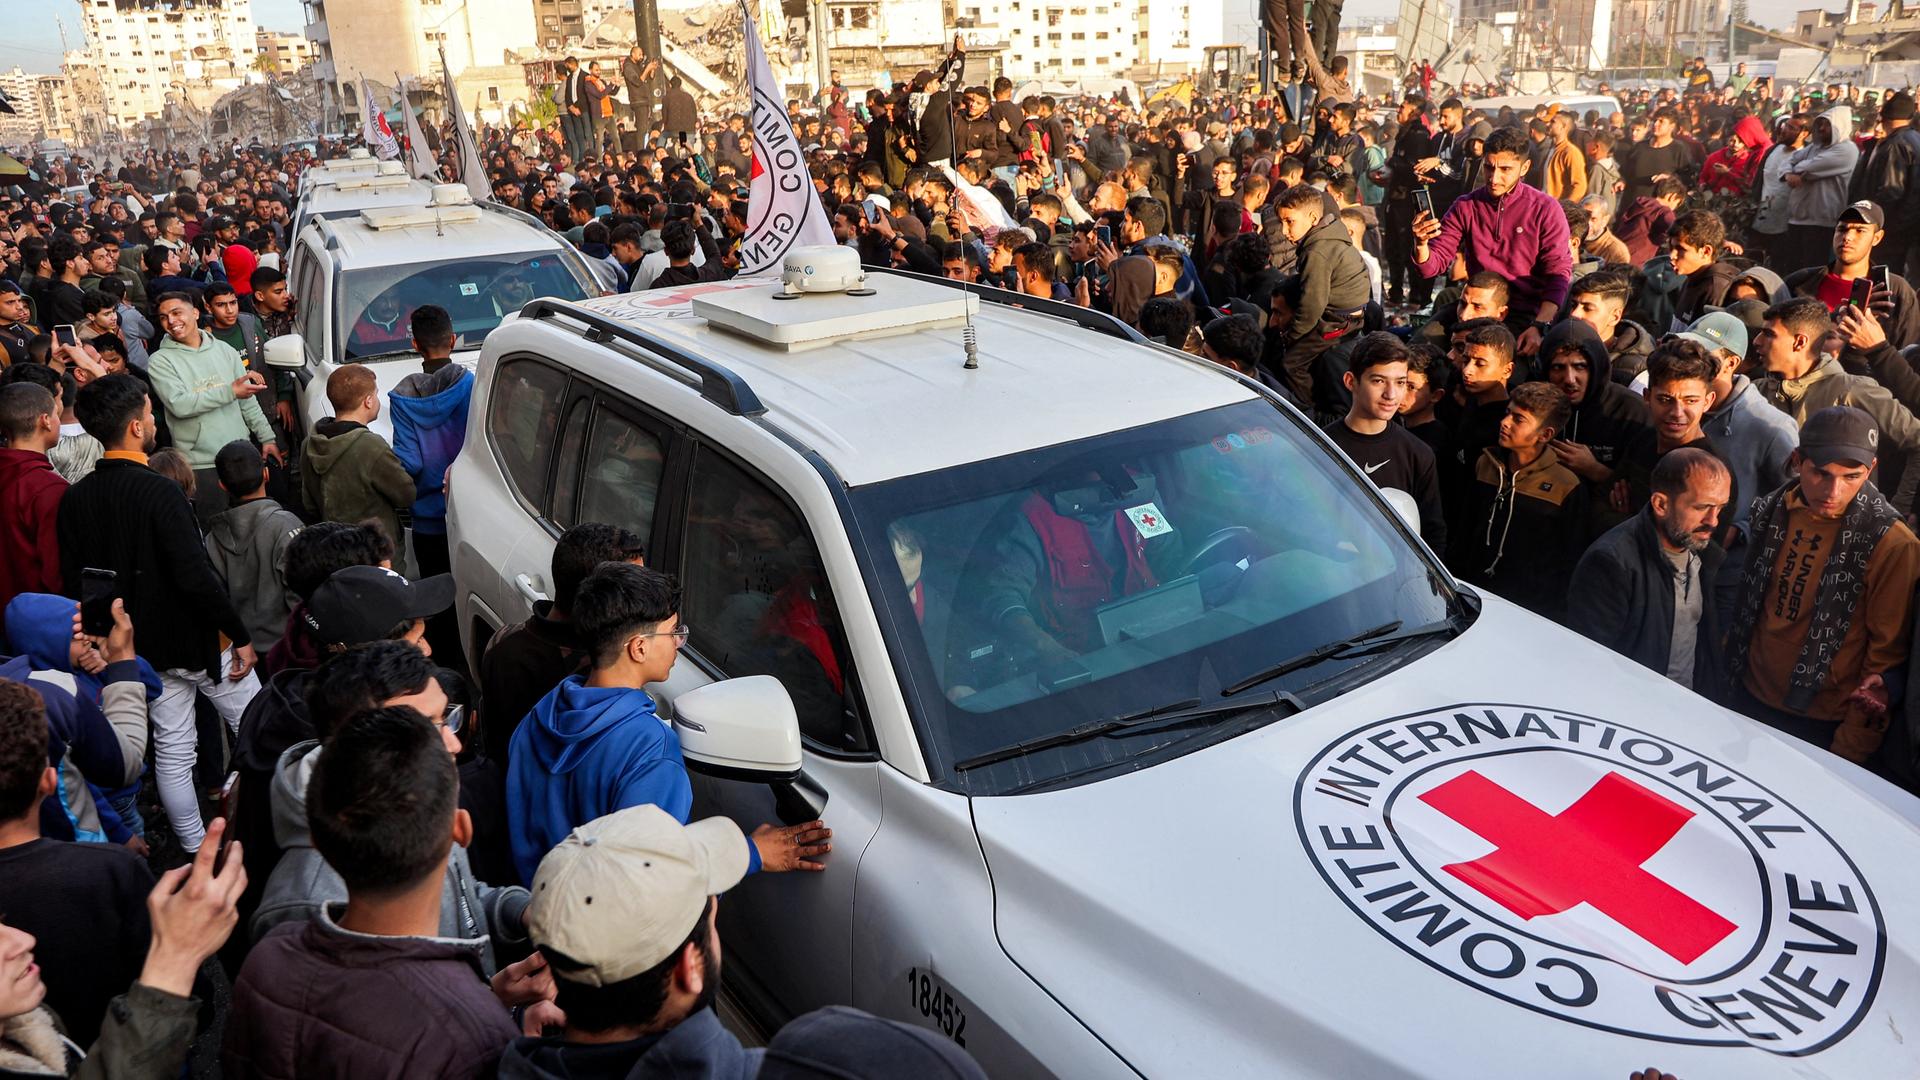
[
  {"x": 33, "y": 37},
  {"x": 33, "y": 41}
]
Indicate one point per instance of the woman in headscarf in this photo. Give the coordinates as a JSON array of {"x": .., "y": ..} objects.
[{"x": 1731, "y": 169}]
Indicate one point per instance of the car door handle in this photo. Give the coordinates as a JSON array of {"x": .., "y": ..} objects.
[{"x": 528, "y": 589}]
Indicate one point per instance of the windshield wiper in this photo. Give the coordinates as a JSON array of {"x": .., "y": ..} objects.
[
  {"x": 1375, "y": 638},
  {"x": 1169, "y": 715},
  {"x": 390, "y": 354}
]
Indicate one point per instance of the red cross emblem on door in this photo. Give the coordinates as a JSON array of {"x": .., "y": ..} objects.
[{"x": 1590, "y": 852}]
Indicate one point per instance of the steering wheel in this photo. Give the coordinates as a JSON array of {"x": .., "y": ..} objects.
[{"x": 1223, "y": 545}]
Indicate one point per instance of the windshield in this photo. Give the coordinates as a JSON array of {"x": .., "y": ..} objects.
[
  {"x": 1161, "y": 566},
  {"x": 376, "y": 303}
]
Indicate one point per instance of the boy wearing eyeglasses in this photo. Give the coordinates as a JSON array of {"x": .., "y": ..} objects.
[{"x": 596, "y": 743}]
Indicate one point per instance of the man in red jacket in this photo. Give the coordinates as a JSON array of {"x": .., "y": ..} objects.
[{"x": 30, "y": 493}]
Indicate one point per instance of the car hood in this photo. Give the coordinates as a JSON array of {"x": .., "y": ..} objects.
[{"x": 1472, "y": 866}]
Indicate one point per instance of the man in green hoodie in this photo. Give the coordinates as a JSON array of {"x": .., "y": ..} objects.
[
  {"x": 208, "y": 395},
  {"x": 348, "y": 473}
]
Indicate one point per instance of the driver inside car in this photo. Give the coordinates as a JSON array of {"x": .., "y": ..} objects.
[
  {"x": 383, "y": 327},
  {"x": 1068, "y": 551}
]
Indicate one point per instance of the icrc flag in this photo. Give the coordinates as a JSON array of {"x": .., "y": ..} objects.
[
  {"x": 783, "y": 211},
  {"x": 373, "y": 126}
]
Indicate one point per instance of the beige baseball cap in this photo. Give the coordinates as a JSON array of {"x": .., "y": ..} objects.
[{"x": 622, "y": 892}]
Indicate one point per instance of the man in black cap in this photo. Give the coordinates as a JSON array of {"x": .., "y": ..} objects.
[
  {"x": 1890, "y": 177},
  {"x": 372, "y": 603},
  {"x": 1825, "y": 604},
  {"x": 1861, "y": 230},
  {"x": 839, "y": 1043}
]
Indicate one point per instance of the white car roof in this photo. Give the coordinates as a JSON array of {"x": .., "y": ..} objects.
[
  {"x": 882, "y": 407},
  {"x": 1579, "y": 103},
  {"x": 458, "y": 235}
]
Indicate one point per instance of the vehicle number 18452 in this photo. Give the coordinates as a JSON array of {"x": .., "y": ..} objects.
[{"x": 933, "y": 1001}]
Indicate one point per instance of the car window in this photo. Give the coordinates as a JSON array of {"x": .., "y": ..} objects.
[
  {"x": 620, "y": 483},
  {"x": 311, "y": 316},
  {"x": 523, "y": 411},
  {"x": 756, "y": 600},
  {"x": 1049, "y": 590},
  {"x": 376, "y": 304},
  {"x": 566, "y": 474}
]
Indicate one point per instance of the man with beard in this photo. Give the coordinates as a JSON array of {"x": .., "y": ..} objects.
[
  {"x": 635, "y": 973},
  {"x": 1607, "y": 418},
  {"x": 1643, "y": 588}
]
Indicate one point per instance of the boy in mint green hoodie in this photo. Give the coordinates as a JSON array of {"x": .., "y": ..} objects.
[{"x": 208, "y": 395}]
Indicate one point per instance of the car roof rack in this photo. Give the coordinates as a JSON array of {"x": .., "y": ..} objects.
[
  {"x": 1086, "y": 318},
  {"x": 717, "y": 384}
]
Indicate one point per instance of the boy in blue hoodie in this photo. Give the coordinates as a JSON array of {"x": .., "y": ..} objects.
[
  {"x": 429, "y": 411},
  {"x": 595, "y": 744}
]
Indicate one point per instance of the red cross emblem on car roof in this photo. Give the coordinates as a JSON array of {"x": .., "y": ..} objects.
[{"x": 1590, "y": 852}]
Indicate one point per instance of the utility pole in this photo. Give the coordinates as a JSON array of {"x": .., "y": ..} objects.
[
  {"x": 822, "y": 63},
  {"x": 1673, "y": 13},
  {"x": 646, "y": 33}
]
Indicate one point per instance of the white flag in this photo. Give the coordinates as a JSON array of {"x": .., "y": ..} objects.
[
  {"x": 419, "y": 154},
  {"x": 373, "y": 126},
  {"x": 783, "y": 211},
  {"x": 472, "y": 173}
]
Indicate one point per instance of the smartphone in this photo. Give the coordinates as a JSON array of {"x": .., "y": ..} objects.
[
  {"x": 64, "y": 335},
  {"x": 1423, "y": 201},
  {"x": 97, "y": 588},
  {"x": 1862, "y": 293},
  {"x": 872, "y": 211},
  {"x": 1103, "y": 233},
  {"x": 229, "y": 805},
  {"x": 1885, "y": 282}
]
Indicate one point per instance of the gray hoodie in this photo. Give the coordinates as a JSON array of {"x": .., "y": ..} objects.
[
  {"x": 1767, "y": 282},
  {"x": 1825, "y": 169},
  {"x": 248, "y": 545},
  {"x": 1753, "y": 438},
  {"x": 302, "y": 881}
]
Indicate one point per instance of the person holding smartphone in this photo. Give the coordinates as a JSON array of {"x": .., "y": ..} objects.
[
  {"x": 1511, "y": 228},
  {"x": 1858, "y": 292}
]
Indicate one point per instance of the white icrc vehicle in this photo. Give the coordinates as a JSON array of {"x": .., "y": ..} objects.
[
  {"x": 358, "y": 276},
  {"x": 342, "y": 187},
  {"x": 1274, "y": 796}
]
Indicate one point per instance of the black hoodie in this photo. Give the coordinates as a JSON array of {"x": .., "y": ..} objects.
[
  {"x": 1609, "y": 417},
  {"x": 1630, "y": 347}
]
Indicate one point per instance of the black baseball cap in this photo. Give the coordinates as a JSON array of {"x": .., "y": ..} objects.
[
  {"x": 837, "y": 1043},
  {"x": 1839, "y": 433},
  {"x": 1866, "y": 212},
  {"x": 359, "y": 604}
]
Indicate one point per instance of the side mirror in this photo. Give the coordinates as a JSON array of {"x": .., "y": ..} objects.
[
  {"x": 740, "y": 729},
  {"x": 286, "y": 351},
  {"x": 746, "y": 729},
  {"x": 1403, "y": 504}
]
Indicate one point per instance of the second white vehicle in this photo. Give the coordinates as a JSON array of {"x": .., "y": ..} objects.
[{"x": 358, "y": 279}]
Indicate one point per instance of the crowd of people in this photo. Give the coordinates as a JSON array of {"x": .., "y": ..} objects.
[{"x": 1649, "y": 373}]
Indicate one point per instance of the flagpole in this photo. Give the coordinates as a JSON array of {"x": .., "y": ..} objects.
[
  {"x": 472, "y": 172},
  {"x": 783, "y": 209}
]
